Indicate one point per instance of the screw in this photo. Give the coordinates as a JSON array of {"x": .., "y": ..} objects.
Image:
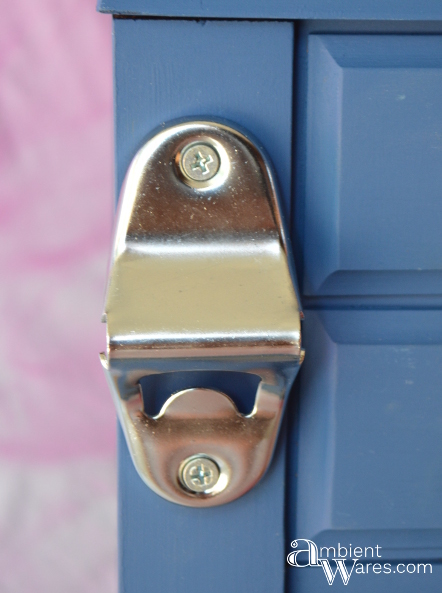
[
  {"x": 199, "y": 162},
  {"x": 199, "y": 474}
]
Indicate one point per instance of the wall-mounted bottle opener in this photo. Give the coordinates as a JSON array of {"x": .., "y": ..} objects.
[{"x": 200, "y": 282}]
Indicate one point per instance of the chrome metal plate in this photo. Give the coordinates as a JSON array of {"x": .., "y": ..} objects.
[{"x": 200, "y": 280}]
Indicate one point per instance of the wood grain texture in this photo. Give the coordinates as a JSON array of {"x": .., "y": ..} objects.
[{"x": 241, "y": 72}]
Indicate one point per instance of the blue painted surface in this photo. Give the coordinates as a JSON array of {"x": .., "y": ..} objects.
[
  {"x": 314, "y": 580},
  {"x": 370, "y": 434},
  {"x": 283, "y": 9},
  {"x": 370, "y": 422},
  {"x": 165, "y": 547},
  {"x": 373, "y": 208},
  {"x": 364, "y": 455},
  {"x": 161, "y": 74}
]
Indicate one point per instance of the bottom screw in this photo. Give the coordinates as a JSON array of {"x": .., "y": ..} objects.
[{"x": 199, "y": 474}]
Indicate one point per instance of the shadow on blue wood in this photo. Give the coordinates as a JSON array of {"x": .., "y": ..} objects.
[
  {"x": 283, "y": 9},
  {"x": 241, "y": 387}
]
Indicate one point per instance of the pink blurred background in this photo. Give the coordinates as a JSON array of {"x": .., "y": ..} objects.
[{"x": 57, "y": 423}]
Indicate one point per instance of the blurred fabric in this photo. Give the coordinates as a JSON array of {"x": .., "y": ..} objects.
[{"x": 57, "y": 423}]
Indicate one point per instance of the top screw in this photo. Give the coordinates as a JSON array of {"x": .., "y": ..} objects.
[{"x": 199, "y": 162}]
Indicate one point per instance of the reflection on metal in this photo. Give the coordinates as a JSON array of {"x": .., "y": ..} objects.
[{"x": 199, "y": 281}]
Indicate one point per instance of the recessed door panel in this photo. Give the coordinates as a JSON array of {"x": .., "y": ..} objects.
[
  {"x": 373, "y": 207},
  {"x": 370, "y": 422},
  {"x": 365, "y": 467}
]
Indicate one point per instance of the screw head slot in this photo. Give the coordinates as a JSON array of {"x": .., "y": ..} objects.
[
  {"x": 199, "y": 474},
  {"x": 199, "y": 162}
]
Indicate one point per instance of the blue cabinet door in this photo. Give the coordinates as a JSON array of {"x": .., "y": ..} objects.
[
  {"x": 361, "y": 467},
  {"x": 369, "y": 221}
]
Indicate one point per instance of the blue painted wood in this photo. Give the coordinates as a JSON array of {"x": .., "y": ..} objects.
[
  {"x": 370, "y": 434},
  {"x": 166, "y": 70},
  {"x": 364, "y": 462},
  {"x": 365, "y": 441},
  {"x": 371, "y": 422},
  {"x": 373, "y": 211},
  {"x": 283, "y": 9},
  {"x": 313, "y": 580}
]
